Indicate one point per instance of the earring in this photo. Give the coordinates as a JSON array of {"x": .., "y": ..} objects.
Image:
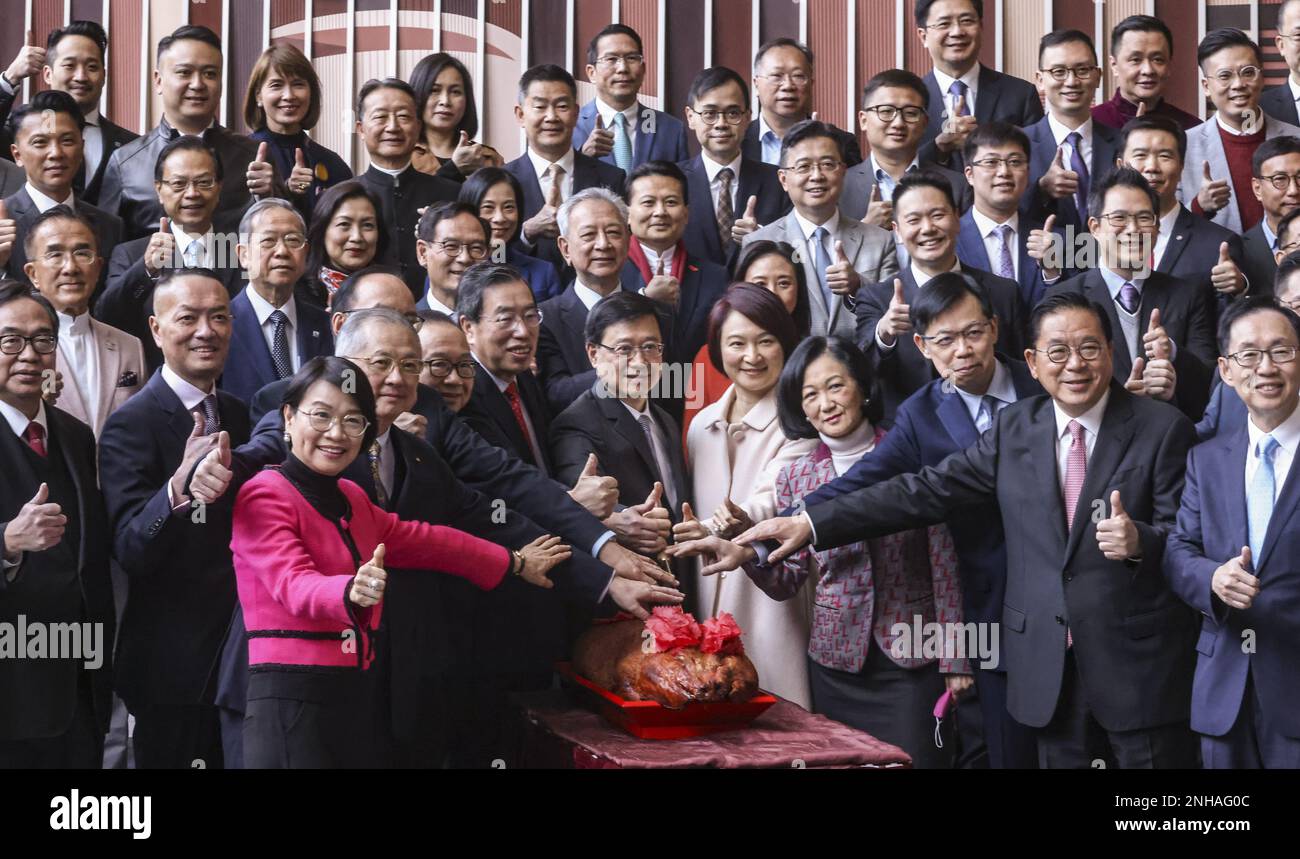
[{"x": 288, "y": 439}]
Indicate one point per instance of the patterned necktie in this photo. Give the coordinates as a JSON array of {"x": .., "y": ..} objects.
[
  {"x": 1076, "y": 469},
  {"x": 1129, "y": 298},
  {"x": 512, "y": 394},
  {"x": 1078, "y": 166},
  {"x": 664, "y": 473},
  {"x": 211, "y": 419},
  {"x": 34, "y": 435},
  {"x": 622, "y": 143},
  {"x": 194, "y": 254},
  {"x": 725, "y": 212},
  {"x": 1006, "y": 265},
  {"x": 1259, "y": 501},
  {"x": 381, "y": 491},
  {"x": 556, "y": 195},
  {"x": 280, "y": 346},
  {"x": 987, "y": 412},
  {"x": 823, "y": 259},
  {"x": 958, "y": 90}
]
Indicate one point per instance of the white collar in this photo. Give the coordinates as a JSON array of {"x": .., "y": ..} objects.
[
  {"x": 501, "y": 385},
  {"x": 586, "y": 294},
  {"x": 1001, "y": 387},
  {"x": 435, "y": 304},
  {"x": 93, "y": 118},
  {"x": 713, "y": 168},
  {"x": 764, "y": 129},
  {"x": 385, "y": 441},
  {"x": 541, "y": 165},
  {"x": 19, "y": 421},
  {"x": 188, "y": 394},
  {"x": 848, "y": 450},
  {"x": 44, "y": 203},
  {"x": 1060, "y": 130},
  {"x": 263, "y": 308},
  {"x": 986, "y": 225},
  {"x": 1287, "y": 434},
  {"x": 1167, "y": 221},
  {"x": 74, "y": 326},
  {"x": 971, "y": 79},
  {"x": 184, "y": 239},
  {"x": 607, "y": 114},
  {"x": 393, "y": 173},
  {"x": 653, "y": 256},
  {"x": 922, "y": 278},
  {"x": 1090, "y": 420},
  {"x": 1234, "y": 132},
  {"x": 832, "y": 225}
]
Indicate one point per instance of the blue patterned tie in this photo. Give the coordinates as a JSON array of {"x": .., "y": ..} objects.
[
  {"x": 280, "y": 346},
  {"x": 1006, "y": 265},
  {"x": 1259, "y": 501},
  {"x": 1078, "y": 166},
  {"x": 622, "y": 143}
]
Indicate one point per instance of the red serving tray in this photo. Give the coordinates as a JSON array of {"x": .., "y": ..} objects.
[{"x": 651, "y": 720}]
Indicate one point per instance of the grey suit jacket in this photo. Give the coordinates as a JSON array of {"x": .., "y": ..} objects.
[
  {"x": 870, "y": 249},
  {"x": 1204, "y": 144},
  {"x": 860, "y": 179},
  {"x": 12, "y": 178}
]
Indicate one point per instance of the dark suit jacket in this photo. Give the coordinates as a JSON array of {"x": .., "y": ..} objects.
[
  {"x": 562, "y": 359},
  {"x": 36, "y": 696},
  {"x": 1129, "y": 628},
  {"x": 998, "y": 97},
  {"x": 115, "y": 137},
  {"x": 1260, "y": 265},
  {"x": 752, "y": 148},
  {"x": 21, "y": 208},
  {"x": 971, "y": 252},
  {"x": 860, "y": 180},
  {"x": 903, "y": 370},
  {"x": 587, "y": 173},
  {"x": 1212, "y": 528},
  {"x": 667, "y": 142},
  {"x": 932, "y": 424},
  {"x": 540, "y": 275},
  {"x": 1225, "y": 414},
  {"x": 1186, "y": 316},
  {"x": 12, "y": 177},
  {"x": 1042, "y": 151},
  {"x": 249, "y": 367},
  {"x": 401, "y": 199},
  {"x": 1193, "y": 250},
  {"x": 756, "y": 180},
  {"x": 702, "y": 284},
  {"x": 488, "y": 413},
  {"x": 1278, "y": 103},
  {"x": 182, "y": 584}
]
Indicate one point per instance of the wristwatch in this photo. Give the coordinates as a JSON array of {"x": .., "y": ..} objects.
[{"x": 518, "y": 568}]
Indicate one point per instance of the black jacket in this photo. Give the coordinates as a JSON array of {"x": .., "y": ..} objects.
[{"x": 401, "y": 199}]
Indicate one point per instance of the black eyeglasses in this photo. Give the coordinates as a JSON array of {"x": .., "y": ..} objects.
[
  {"x": 1249, "y": 358},
  {"x": 649, "y": 351},
  {"x": 440, "y": 368},
  {"x": 1060, "y": 73},
  {"x": 14, "y": 344},
  {"x": 887, "y": 113}
]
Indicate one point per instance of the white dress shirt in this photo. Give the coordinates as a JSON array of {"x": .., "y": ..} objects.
[
  {"x": 586, "y": 295},
  {"x": 190, "y": 396},
  {"x": 1091, "y": 423},
  {"x": 387, "y": 462},
  {"x": 1287, "y": 435},
  {"x": 663, "y": 462},
  {"x": 971, "y": 79},
  {"x": 655, "y": 257},
  {"x": 206, "y": 247},
  {"x": 712, "y": 169},
  {"x": 435, "y": 304},
  {"x": 542, "y": 168},
  {"x": 1060, "y": 131},
  {"x": 631, "y": 119},
  {"x": 993, "y": 240},
  {"x": 1165, "y": 234},
  {"x": 77, "y": 344},
  {"x": 93, "y": 136},
  {"x": 263, "y": 309},
  {"x": 44, "y": 203},
  {"x": 1002, "y": 388}
]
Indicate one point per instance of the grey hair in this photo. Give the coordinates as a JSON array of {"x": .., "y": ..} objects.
[
  {"x": 566, "y": 208},
  {"x": 351, "y": 338},
  {"x": 246, "y": 222}
]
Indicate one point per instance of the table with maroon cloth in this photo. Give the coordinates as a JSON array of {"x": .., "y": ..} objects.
[{"x": 558, "y": 732}]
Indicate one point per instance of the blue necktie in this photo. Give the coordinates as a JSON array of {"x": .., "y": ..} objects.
[
  {"x": 1006, "y": 265},
  {"x": 823, "y": 260},
  {"x": 988, "y": 411},
  {"x": 1259, "y": 501},
  {"x": 622, "y": 143},
  {"x": 959, "y": 90},
  {"x": 280, "y": 347},
  {"x": 1078, "y": 166}
]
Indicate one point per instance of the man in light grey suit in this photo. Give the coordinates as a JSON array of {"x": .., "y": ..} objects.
[
  {"x": 839, "y": 254},
  {"x": 1215, "y": 185}
]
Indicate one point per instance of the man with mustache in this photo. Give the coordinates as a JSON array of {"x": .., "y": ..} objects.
[{"x": 1141, "y": 50}]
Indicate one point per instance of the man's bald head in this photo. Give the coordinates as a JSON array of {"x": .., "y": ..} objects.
[
  {"x": 378, "y": 286},
  {"x": 191, "y": 324}
]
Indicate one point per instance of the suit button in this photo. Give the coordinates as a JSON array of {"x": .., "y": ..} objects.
[
  {"x": 1068, "y": 577},
  {"x": 1060, "y": 620}
]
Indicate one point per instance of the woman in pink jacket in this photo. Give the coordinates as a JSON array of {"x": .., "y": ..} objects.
[{"x": 310, "y": 551}]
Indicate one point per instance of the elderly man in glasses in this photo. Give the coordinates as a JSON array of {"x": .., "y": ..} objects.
[
  {"x": 274, "y": 331},
  {"x": 1164, "y": 327},
  {"x": 452, "y": 237},
  {"x": 449, "y": 367}
]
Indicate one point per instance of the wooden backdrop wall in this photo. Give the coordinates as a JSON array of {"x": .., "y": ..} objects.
[{"x": 350, "y": 41}]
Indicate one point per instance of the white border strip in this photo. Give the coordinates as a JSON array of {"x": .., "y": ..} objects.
[
  {"x": 27, "y": 31},
  {"x": 308, "y": 29},
  {"x": 1049, "y": 14},
  {"x": 1200, "y": 36},
  {"x": 568, "y": 36},
  {"x": 225, "y": 59},
  {"x": 1254, "y": 20},
  {"x": 613, "y": 11},
  {"x": 900, "y": 34},
  {"x": 266, "y": 25},
  {"x": 392, "y": 39},
  {"x": 661, "y": 52},
  {"x": 803, "y": 21},
  {"x": 144, "y": 73},
  {"x": 708, "y": 34},
  {"x": 103, "y": 94},
  {"x": 999, "y": 36},
  {"x": 1099, "y": 38},
  {"x": 851, "y": 29},
  {"x": 437, "y": 25},
  {"x": 480, "y": 65},
  {"x": 351, "y": 66}
]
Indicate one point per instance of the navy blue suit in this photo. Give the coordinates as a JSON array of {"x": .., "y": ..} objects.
[
  {"x": 667, "y": 142},
  {"x": 249, "y": 368},
  {"x": 540, "y": 275},
  {"x": 930, "y": 425},
  {"x": 1042, "y": 151},
  {"x": 1193, "y": 251},
  {"x": 971, "y": 252},
  {"x": 756, "y": 179},
  {"x": 587, "y": 173},
  {"x": 997, "y": 97},
  {"x": 1225, "y": 414},
  {"x": 1245, "y": 700},
  {"x": 702, "y": 284}
]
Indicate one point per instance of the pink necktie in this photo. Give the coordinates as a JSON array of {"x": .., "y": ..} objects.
[
  {"x": 1076, "y": 466},
  {"x": 34, "y": 435}
]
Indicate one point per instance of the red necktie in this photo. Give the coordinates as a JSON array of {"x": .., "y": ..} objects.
[
  {"x": 512, "y": 394},
  {"x": 34, "y": 435}
]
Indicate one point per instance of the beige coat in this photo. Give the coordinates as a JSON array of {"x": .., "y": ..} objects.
[
  {"x": 121, "y": 374},
  {"x": 741, "y": 461}
]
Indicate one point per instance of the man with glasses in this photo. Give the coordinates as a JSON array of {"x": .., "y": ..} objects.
[
  {"x": 1231, "y": 555},
  {"x": 1068, "y": 151},
  {"x": 783, "y": 82},
  {"x": 1141, "y": 53},
  {"x": 275, "y": 332},
  {"x": 614, "y": 127},
  {"x": 1275, "y": 182},
  {"x": 1089, "y": 479},
  {"x": 449, "y": 368},
  {"x": 1217, "y": 176},
  {"x": 839, "y": 254},
  {"x": 452, "y": 238},
  {"x": 964, "y": 93},
  {"x": 1280, "y": 101},
  {"x": 744, "y": 192},
  {"x": 101, "y": 366},
  {"x": 1161, "y": 324}
]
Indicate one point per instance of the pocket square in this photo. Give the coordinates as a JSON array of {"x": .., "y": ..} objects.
[{"x": 128, "y": 379}]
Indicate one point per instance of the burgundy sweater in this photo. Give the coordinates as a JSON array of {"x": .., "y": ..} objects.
[{"x": 1240, "y": 149}]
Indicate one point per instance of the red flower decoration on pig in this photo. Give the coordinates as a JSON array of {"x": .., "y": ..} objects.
[
  {"x": 722, "y": 635},
  {"x": 672, "y": 627}
]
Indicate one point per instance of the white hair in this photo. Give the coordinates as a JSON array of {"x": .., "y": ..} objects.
[
  {"x": 353, "y": 338},
  {"x": 589, "y": 194},
  {"x": 246, "y": 222}
]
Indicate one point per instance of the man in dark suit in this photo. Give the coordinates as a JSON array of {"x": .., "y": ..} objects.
[
  {"x": 54, "y": 556},
  {"x": 1231, "y": 555},
  {"x": 452, "y": 238},
  {"x": 48, "y": 145},
  {"x": 1069, "y": 153},
  {"x": 893, "y": 118},
  {"x": 741, "y": 191},
  {"x": 1091, "y": 476},
  {"x": 12, "y": 178},
  {"x": 275, "y": 332},
  {"x": 1157, "y": 320},
  {"x": 389, "y": 124},
  {"x": 176, "y": 553},
  {"x": 189, "y": 187},
  {"x": 927, "y": 228},
  {"x": 1274, "y": 167},
  {"x": 964, "y": 93},
  {"x": 1279, "y": 101},
  {"x": 551, "y": 170},
  {"x": 614, "y": 127},
  {"x": 994, "y": 236},
  {"x": 783, "y": 82},
  {"x": 188, "y": 77}
]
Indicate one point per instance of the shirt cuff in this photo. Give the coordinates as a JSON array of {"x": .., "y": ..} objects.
[
  {"x": 600, "y": 544},
  {"x": 10, "y": 568},
  {"x": 6, "y": 86},
  {"x": 176, "y": 507},
  {"x": 811, "y": 528},
  {"x": 882, "y": 345},
  {"x": 761, "y": 552}
]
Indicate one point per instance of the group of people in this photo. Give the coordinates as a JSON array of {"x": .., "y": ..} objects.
[{"x": 339, "y": 464}]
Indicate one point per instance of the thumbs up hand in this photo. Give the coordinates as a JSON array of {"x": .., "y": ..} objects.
[
  {"x": 197, "y": 446},
  {"x": 1225, "y": 276},
  {"x": 1214, "y": 195},
  {"x": 1041, "y": 245},
  {"x": 1156, "y": 342},
  {"x": 28, "y": 62},
  {"x": 595, "y": 493},
  {"x": 880, "y": 213},
  {"x": 1059, "y": 181},
  {"x": 1117, "y": 536},
  {"x": 664, "y": 288},
  {"x": 468, "y": 156},
  {"x": 643, "y": 527},
  {"x": 897, "y": 319},
  {"x": 690, "y": 528},
  {"x": 730, "y": 520},
  {"x": 544, "y": 225},
  {"x": 747, "y": 223},
  {"x": 1160, "y": 379},
  {"x": 601, "y": 140},
  {"x": 302, "y": 176},
  {"x": 841, "y": 277},
  {"x": 1134, "y": 384},
  {"x": 8, "y": 234},
  {"x": 368, "y": 585},
  {"x": 260, "y": 176},
  {"x": 161, "y": 251},
  {"x": 212, "y": 477},
  {"x": 38, "y": 526},
  {"x": 1234, "y": 583}
]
